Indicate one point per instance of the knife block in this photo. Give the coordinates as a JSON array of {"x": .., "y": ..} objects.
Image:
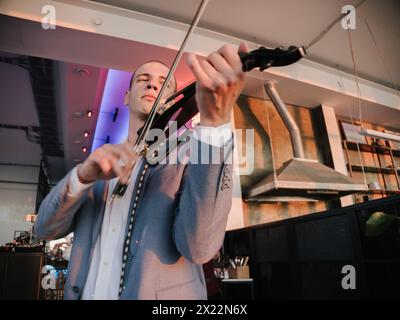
[{"x": 239, "y": 273}]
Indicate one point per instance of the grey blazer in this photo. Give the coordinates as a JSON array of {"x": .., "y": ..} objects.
[{"x": 180, "y": 224}]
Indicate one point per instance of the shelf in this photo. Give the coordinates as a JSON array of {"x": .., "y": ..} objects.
[
  {"x": 380, "y": 192},
  {"x": 370, "y": 148},
  {"x": 376, "y": 148},
  {"x": 373, "y": 169},
  {"x": 238, "y": 280}
]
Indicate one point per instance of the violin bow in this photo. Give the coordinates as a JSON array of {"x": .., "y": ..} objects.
[{"x": 140, "y": 147}]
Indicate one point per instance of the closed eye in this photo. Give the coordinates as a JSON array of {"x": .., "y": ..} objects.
[{"x": 168, "y": 85}]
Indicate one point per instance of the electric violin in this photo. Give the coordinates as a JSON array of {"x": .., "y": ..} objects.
[{"x": 261, "y": 58}]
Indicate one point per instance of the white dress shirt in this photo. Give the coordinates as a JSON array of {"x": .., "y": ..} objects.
[{"x": 105, "y": 267}]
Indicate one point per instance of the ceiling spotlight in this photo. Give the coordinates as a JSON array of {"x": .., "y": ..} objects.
[
  {"x": 89, "y": 113},
  {"x": 82, "y": 71},
  {"x": 84, "y": 149},
  {"x": 86, "y": 134},
  {"x": 78, "y": 115}
]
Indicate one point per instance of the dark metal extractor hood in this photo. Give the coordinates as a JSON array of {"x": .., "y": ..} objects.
[{"x": 300, "y": 179}]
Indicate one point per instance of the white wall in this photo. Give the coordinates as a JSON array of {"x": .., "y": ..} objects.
[{"x": 16, "y": 200}]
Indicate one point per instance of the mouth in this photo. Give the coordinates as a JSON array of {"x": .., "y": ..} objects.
[{"x": 149, "y": 97}]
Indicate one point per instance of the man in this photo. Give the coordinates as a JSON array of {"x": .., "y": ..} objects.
[{"x": 151, "y": 242}]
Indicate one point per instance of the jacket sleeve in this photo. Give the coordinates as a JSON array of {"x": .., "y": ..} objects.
[
  {"x": 57, "y": 211},
  {"x": 203, "y": 205}
]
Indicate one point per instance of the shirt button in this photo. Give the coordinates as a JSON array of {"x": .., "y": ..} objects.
[
  {"x": 75, "y": 289},
  {"x": 106, "y": 263},
  {"x": 113, "y": 229}
]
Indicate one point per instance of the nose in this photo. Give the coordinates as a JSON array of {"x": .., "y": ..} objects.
[{"x": 152, "y": 85}]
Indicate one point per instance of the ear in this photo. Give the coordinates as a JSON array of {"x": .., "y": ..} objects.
[{"x": 126, "y": 98}]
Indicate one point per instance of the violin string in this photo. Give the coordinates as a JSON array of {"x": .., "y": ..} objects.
[{"x": 177, "y": 58}]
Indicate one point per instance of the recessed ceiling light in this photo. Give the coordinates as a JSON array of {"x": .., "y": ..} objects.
[
  {"x": 86, "y": 134},
  {"x": 89, "y": 113},
  {"x": 82, "y": 71},
  {"x": 97, "y": 21},
  {"x": 84, "y": 149},
  {"x": 78, "y": 114}
]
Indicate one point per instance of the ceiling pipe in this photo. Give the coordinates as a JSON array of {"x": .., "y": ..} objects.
[{"x": 297, "y": 145}]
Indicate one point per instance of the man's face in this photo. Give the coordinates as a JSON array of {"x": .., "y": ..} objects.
[{"x": 146, "y": 85}]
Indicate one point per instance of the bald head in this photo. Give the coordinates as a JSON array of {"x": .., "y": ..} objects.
[
  {"x": 173, "y": 80},
  {"x": 145, "y": 85}
]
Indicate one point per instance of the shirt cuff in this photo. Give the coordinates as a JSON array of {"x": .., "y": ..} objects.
[
  {"x": 215, "y": 136},
  {"x": 75, "y": 186}
]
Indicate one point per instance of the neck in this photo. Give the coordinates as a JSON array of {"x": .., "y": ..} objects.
[{"x": 135, "y": 123}]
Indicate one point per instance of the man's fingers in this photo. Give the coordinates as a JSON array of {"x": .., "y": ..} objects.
[
  {"x": 111, "y": 168},
  {"x": 105, "y": 166},
  {"x": 244, "y": 47},
  {"x": 124, "y": 155},
  {"x": 122, "y": 173},
  {"x": 230, "y": 53},
  {"x": 109, "y": 159},
  {"x": 99, "y": 157},
  {"x": 198, "y": 71},
  {"x": 110, "y": 149},
  {"x": 220, "y": 64},
  {"x": 219, "y": 81},
  {"x": 130, "y": 154}
]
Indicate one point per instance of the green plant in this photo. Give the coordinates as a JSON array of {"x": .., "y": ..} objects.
[{"x": 378, "y": 222}]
